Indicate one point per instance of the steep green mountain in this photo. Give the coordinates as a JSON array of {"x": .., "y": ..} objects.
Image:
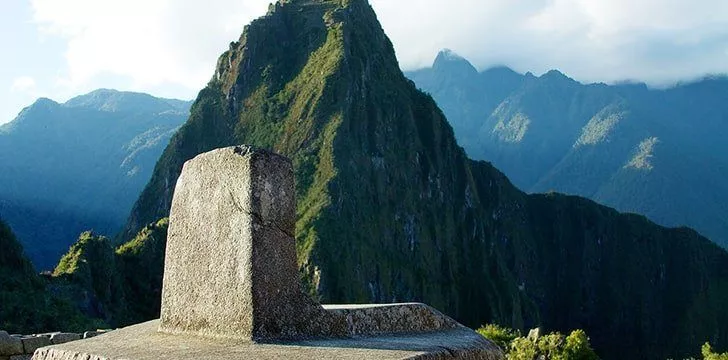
[
  {"x": 118, "y": 286},
  {"x": 25, "y": 304},
  {"x": 391, "y": 209},
  {"x": 94, "y": 285},
  {"x": 66, "y": 168},
  {"x": 660, "y": 153}
]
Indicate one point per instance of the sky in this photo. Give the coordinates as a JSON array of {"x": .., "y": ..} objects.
[{"x": 168, "y": 48}]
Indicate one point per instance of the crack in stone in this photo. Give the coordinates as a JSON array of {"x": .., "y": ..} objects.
[
  {"x": 272, "y": 224},
  {"x": 449, "y": 351},
  {"x": 235, "y": 202},
  {"x": 257, "y": 216}
]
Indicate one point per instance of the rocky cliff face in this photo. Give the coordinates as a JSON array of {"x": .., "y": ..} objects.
[
  {"x": 114, "y": 285},
  {"x": 625, "y": 146},
  {"x": 67, "y": 168},
  {"x": 391, "y": 209}
]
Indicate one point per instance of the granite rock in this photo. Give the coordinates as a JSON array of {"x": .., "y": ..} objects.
[
  {"x": 10, "y": 345},
  {"x": 60, "y": 338},
  {"x": 382, "y": 319},
  {"x": 230, "y": 268},
  {"x": 31, "y": 343}
]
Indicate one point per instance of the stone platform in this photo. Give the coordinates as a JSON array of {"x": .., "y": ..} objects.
[
  {"x": 231, "y": 288},
  {"x": 144, "y": 342}
]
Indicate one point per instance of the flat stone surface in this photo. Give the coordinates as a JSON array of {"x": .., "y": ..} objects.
[
  {"x": 144, "y": 342},
  {"x": 379, "y": 319},
  {"x": 60, "y": 338},
  {"x": 10, "y": 345}
]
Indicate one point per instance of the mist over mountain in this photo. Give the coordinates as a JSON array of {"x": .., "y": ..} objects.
[
  {"x": 66, "y": 168},
  {"x": 657, "y": 152}
]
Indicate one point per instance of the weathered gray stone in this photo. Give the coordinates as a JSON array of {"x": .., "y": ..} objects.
[
  {"x": 381, "y": 319},
  {"x": 230, "y": 268},
  {"x": 31, "y": 343},
  {"x": 143, "y": 342},
  {"x": 10, "y": 345},
  {"x": 60, "y": 338}
]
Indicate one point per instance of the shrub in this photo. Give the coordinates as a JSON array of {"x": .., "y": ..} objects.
[
  {"x": 553, "y": 346},
  {"x": 501, "y": 336},
  {"x": 708, "y": 353}
]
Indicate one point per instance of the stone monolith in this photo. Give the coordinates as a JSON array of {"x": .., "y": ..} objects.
[{"x": 230, "y": 268}]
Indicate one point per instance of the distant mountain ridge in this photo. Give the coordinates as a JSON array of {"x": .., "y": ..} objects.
[
  {"x": 66, "y": 168},
  {"x": 657, "y": 152}
]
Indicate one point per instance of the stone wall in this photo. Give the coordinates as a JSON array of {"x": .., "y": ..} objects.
[{"x": 22, "y": 347}]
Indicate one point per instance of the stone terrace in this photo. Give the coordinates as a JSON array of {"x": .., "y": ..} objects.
[{"x": 22, "y": 347}]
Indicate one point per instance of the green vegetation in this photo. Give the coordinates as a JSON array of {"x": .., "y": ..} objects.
[
  {"x": 87, "y": 275},
  {"x": 554, "y": 346},
  {"x": 119, "y": 286},
  {"x": 141, "y": 263},
  {"x": 25, "y": 304},
  {"x": 93, "y": 286},
  {"x": 501, "y": 336},
  {"x": 708, "y": 353}
]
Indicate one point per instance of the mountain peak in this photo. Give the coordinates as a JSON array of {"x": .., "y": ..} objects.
[
  {"x": 448, "y": 55},
  {"x": 556, "y": 75},
  {"x": 36, "y": 110},
  {"x": 44, "y": 103},
  {"x": 110, "y": 100},
  {"x": 448, "y": 60},
  {"x": 106, "y": 100}
]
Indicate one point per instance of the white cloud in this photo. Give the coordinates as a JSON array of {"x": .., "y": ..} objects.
[
  {"x": 22, "y": 84},
  {"x": 157, "y": 42},
  {"x": 154, "y": 42},
  {"x": 658, "y": 41}
]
